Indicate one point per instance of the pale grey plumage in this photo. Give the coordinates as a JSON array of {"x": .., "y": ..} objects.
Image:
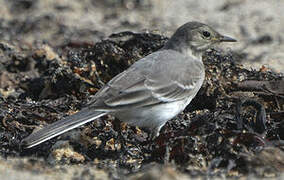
[{"x": 152, "y": 91}]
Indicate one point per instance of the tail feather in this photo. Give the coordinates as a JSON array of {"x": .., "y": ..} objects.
[{"x": 61, "y": 126}]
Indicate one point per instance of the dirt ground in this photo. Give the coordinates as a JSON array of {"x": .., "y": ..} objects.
[
  {"x": 54, "y": 55},
  {"x": 257, "y": 24}
]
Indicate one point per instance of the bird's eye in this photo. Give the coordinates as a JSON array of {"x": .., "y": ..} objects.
[{"x": 206, "y": 34}]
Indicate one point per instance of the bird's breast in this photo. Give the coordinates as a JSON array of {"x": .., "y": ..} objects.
[{"x": 152, "y": 116}]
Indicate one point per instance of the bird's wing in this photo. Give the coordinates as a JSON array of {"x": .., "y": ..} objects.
[{"x": 164, "y": 76}]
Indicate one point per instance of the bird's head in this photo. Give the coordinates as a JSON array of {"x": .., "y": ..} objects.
[{"x": 196, "y": 36}]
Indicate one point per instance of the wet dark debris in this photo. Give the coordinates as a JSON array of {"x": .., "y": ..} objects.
[{"x": 236, "y": 118}]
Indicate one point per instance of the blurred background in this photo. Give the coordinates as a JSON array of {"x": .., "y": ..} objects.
[{"x": 257, "y": 24}]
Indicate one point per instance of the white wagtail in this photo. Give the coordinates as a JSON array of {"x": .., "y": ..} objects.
[{"x": 150, "y": 92}]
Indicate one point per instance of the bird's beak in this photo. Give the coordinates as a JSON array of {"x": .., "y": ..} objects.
[{"x": 227, "y": 39}]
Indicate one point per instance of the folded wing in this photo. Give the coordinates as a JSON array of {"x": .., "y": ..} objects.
[{"x": 149, "y": 82}]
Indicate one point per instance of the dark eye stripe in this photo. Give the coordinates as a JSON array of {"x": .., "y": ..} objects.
[{"x": 206, "y": 33}]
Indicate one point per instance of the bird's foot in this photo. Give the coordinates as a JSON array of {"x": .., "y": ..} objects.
[{"x": 154, "y": 133}]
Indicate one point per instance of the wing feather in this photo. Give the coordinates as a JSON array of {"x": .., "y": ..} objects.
[{"x": 151, "y": 81}]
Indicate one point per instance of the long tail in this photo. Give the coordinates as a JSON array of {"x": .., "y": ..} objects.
[{"x": 61, "y": 126}]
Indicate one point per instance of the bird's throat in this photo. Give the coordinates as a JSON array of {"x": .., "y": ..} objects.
[{"x": 197, "y": 55}]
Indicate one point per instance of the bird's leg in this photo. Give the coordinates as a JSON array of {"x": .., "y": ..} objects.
[
  {"x": 117, "y": 126},
  {"x": 155, "y": 132}
]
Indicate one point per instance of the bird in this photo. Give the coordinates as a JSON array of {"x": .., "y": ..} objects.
[{"x": 152, "y": 90}]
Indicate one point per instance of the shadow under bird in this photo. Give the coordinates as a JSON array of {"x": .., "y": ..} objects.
[{"x": 150, "y": 92}]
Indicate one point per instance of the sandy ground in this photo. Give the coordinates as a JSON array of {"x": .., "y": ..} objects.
[{"x": 257, "y": 24}]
